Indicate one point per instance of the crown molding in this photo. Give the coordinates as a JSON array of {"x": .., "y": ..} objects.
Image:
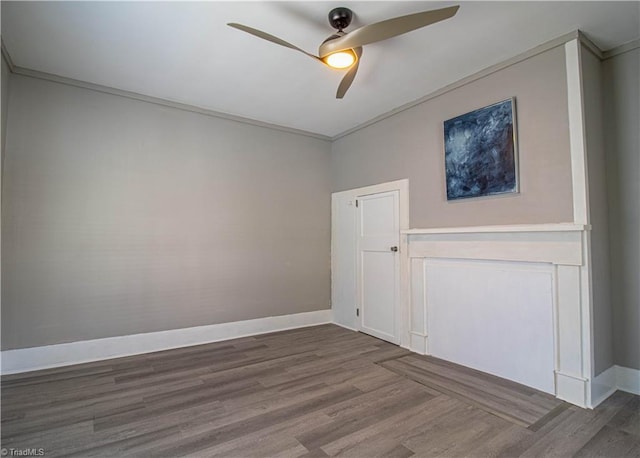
[
  {"x": 635, "y": 44},
  {"x": 155, "y": 100},
  {"x": 149, "y": 99},
  {"x": 556, "y": 42},
  {"x": 590, "y": 45},
  {"x": 7, "y": 57}
]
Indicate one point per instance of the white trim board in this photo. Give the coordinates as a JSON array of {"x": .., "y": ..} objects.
[
  {"x": 615, "y": 378},
  {"x": 544, "y": 227},
  {"x": 36, "y": 358},
  {"x": 635, "y": 44},
  {"x": 7, "y": 57},
  {"x": 603, "y": 386},
  {"x": 577, "y": 136},
  {"x": 348, "y": 328}
]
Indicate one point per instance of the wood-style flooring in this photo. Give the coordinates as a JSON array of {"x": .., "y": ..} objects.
[{"x": 314, "y": 392}]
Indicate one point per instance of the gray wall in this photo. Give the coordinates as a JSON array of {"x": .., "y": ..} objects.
[
  {"x": 410, "y": 145},
  {"x": 4, "y": 81},
  {"x": 123, "y": 217},
  {"x": 622, "y": 126},
  {"x": 598, "y": 210},
  {"x": 4, "y": 104}
]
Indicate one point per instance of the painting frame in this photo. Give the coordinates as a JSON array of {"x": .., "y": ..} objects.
[{"x": 462, "y": 160}]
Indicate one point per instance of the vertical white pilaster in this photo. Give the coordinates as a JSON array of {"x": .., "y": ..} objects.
[
  {"x": 418, "y": 326},
  {"x": 577, "y": 132},
  {"x": 581, "y": 213},
  {"x": 572, "y": 380},
  {"x": 405, "y": 292}
]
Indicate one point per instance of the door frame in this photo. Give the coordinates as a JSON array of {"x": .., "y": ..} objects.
[{"x": 402, "y": 311}]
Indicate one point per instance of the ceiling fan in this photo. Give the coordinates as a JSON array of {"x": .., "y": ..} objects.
[{"x": 343, "y": 50}]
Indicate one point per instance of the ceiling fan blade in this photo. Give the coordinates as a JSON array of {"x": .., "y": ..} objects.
[
  {"x": 386, "y": 29},
  {"x": 345, "y": 84},
  {"x": 269, "y": 37}
]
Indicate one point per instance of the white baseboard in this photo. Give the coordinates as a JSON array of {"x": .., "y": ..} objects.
[
  {"x": 615, "y": 378},
  {"x": 572, "y": 389},
  {"x": 418, "y": 343},
  {"x": 345, "y": 326},
  {"x": 603, "y": 386},
  {"x": 628, "y": 379},
  {"x": 36, "y": 358}
]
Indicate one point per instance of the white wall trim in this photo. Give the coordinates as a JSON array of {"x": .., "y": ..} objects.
[
  {"x": 397, "y": 185},
  {"x": 580, "y": 191},
  {"x": 577, "y": 138},
  {"x": 603, "y": 386},
  {"x": 572, "y": 389},
  {"x": 345, "y": 326},
  {"x": 36, "y": 358},
  {"x": 418, "y": 343},
  {"x": 590, "y": 45},
  {"x": 7, "y": 57},
  {"x": 548, "y": 227},
  {"x": 635, "y": 44},
  {"x": 615, "y": 378},
  {"x": 549, "y": 247},
  {"x": 628, "y": 379}
]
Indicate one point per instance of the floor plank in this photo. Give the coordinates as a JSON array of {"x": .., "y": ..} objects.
[
  {"x": 500, "y": 397},
  {"x": 312, "y": 392}
]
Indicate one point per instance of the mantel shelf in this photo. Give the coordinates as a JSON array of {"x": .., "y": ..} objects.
[{"x": 555, "y": 227}]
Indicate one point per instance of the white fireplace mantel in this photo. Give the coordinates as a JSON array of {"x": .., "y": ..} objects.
[{"x": 552, "y": 255}]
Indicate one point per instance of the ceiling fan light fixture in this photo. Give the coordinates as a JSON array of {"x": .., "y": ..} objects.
[
  {"x": 341, "y": 59},
  {"x": 342, "y": 51}
]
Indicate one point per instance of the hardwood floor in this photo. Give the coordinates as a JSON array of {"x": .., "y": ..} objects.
[{"x": 313, "y": 392}]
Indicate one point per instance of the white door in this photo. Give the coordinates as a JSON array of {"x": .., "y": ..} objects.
[{"x": 378, "y": 268}]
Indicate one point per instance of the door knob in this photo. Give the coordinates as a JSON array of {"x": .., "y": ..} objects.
[{"x": 394, "y": 248}]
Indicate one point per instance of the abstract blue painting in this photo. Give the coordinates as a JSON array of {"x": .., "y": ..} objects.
[{"x": 480, "y": 152}]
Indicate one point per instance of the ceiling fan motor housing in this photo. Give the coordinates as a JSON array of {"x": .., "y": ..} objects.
[{"x": 340, "y": 18}]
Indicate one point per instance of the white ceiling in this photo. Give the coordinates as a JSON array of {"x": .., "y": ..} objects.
[{"x": 184, "y": 52}]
